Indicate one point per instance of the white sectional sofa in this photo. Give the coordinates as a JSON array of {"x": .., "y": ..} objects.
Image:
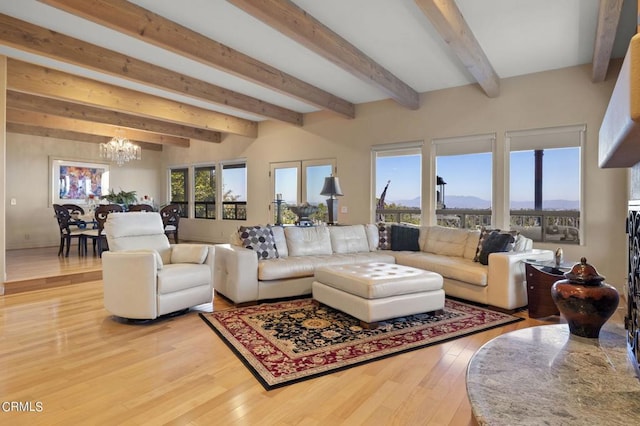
[{"x": 242, "y": 277}]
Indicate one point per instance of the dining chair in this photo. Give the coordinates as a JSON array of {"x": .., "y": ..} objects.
[
  {"x": 73, "y": 208},
  {"x": 75, "y": 211},
  {"x": 66, "y": 233},
  {"x": 170, "y": 219},
  {"x": 98, "y": 234},
  {"x": 140, "y": 208}
]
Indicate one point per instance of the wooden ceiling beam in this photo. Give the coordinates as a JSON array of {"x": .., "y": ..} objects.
[
  {"x": 34, "y": 79},
  {"x": 152, "y": 28},
  {"x": 29, "y": 102},
  {"x": 55, "y": 122},
  {"x": 292, "y": 21},
  {"x": 608, "y": 18},
  {"x": 32, "y": 38},
  {"x": 450, "y": 24},
  {"x": 27, "y": 129}
]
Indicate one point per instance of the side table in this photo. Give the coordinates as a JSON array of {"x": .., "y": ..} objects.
[{"x": 540, "y": 278}]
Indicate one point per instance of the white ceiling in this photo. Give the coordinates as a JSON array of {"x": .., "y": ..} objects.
[{"x": 518, "y": 36}]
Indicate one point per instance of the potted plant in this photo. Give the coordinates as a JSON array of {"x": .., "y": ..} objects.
[{"x": 123, "y": 198}]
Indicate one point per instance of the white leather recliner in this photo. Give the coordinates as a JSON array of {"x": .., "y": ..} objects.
[{"x": 145, "y": 276}]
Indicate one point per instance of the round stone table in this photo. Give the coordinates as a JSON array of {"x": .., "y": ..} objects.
[{"x": 545, "y": 375}]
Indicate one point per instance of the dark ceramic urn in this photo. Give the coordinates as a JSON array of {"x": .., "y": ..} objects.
[{"x": 585, "y": 300}]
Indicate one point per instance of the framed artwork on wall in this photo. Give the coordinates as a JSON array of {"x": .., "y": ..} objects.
[{"x": 77, "y": 181}]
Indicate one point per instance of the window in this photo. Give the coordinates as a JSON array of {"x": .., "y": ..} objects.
[
  {"x": 464, "y": 180},
  {"x": 205, "y": 192},
  {"x": 234, "y": 191},
  {"x": 179, "y": 189},
  {"x": 544, "y": 183},
  {"x": 298, "y": 182},
  {"x": 398, "y": 182}
]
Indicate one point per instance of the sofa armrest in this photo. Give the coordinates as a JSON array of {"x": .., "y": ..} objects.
[
  {"x": 506, "y": 278},
  {"x": 129, "y": 280},
  {"x": 236, "y": 273}
]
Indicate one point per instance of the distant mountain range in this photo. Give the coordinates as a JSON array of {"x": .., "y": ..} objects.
[{"x": 470, "y": 202}]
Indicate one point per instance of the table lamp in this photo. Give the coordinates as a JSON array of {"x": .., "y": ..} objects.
[{"x": 332, "y": 189}]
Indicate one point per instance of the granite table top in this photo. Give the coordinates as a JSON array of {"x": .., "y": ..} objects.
[{"x": 546, "y": 376}]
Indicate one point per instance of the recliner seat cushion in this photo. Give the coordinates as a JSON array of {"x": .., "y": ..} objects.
[{"x": 181, "y": 276}]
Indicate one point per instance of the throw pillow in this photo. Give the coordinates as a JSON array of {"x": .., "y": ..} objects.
[
  {"x": 259, "y": 239},
  {"x": 484, "y": 233},
  {"x": 494, "y": 243},
  {"x": 405, "y": 238},
  {"x": 189, "y": 253},
  {"x": 384, "y": 236}
]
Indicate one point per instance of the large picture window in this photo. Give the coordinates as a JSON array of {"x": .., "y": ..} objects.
[
  {"x": 300, "y": 182},
  {"x": 179, "y": 179},
  {"x": 205, "y": 192},
  {"x": 234, "y": 191},
  {"x": 398, "y": 182},
  {"x": 464, "y": 180},
  {"x": 545, "y": 169}
]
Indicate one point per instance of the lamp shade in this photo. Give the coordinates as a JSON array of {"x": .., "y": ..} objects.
[{"x": 331, "y": 187}]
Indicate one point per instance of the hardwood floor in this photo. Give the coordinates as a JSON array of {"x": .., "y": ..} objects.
[
  {"x": 62, "y": 352},
  {"x": 39, "y": 268}
]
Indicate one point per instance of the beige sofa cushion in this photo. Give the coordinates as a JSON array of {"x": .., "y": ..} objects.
[
  {"x": 446, "y": 241},
  {"x": 305, "y": 266},
  {"x": 455, "y": 268},
  {"x": 349, "y": 239},
  {"x": 305, "y": 241},
  {"x": 373, "y": 236},
  {"x": 281, "y": 241},
  {"x": 471, "y": 246}
]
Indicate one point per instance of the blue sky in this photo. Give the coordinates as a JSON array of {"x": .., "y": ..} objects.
[
  {"x": 471, "y": 175},
  {"x": 287, "y": 183}
]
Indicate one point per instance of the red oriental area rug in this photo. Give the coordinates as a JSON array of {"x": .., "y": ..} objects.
[{"x": 287, "y": 342}]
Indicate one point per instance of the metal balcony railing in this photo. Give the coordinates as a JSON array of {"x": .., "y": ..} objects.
[
  {"x": 234, "y": 210},
  {"x": 562, "y": 226},
  {"x": 399, "y": 215},
  {"x": 539, "y": 225}
]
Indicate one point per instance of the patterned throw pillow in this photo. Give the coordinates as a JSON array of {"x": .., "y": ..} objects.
[
  {"x": 494, "y": 243},
  {"x": 484, "y": 233},
  {"x": 259, "y": 239},
  {"x": 384, "y": 233}
]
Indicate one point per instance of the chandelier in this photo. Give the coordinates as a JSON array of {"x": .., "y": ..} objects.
[{"x": 120, "y": 150}]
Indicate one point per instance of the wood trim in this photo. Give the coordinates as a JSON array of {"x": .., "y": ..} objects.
[
  {"x": 449, "y": 22},
  {"x": 34, "y": 79},
  {"x": 608, "y": 18},
  {"x": 26, "y": 36},
  {"x": 295, "y": 23},
  {"x": 55, "y": 122},
  {"x": 27, "y": 129},
  {"x": 28, "y": 102},
  {"x": 149, "y": 27},
  {"x": 14, "y": 287}
]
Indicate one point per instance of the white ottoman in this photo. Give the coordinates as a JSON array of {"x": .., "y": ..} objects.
[{"x": 374, "y": 292}]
